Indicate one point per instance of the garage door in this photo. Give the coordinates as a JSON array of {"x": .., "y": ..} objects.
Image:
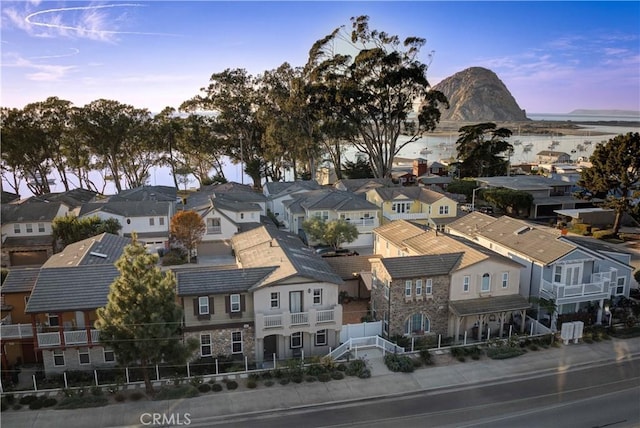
[{"x": 25, "y": 258}]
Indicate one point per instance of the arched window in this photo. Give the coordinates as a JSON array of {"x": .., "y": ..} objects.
[
  {"x": 486, "y": 282},
  {"x": 416, "y": 324}
]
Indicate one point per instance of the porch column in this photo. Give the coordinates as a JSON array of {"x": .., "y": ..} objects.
[
  {"x": 523, "y": 316},
  {"x": 259, "y": 353},
  {"x": 87, "y": 325},
  {"x": 61, "y": 329},
  {"x": 501, "y": 317},
  {"x": 599, "y": 316},
  {"x": 34, "y": 327},
  {"x": 458, "y": 321}
]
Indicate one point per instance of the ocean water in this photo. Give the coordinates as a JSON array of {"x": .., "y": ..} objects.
[{"x": 581, "y": 118}]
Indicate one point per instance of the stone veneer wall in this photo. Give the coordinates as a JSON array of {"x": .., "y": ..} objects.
[
  {"x": 72, "y": 361},
  {"x": 221, "y": 341},
  {"x": 435, "y": 307}
]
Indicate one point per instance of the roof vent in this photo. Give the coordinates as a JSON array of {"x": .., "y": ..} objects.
[
  {"x": 102, "y": 255},
  {"x": 521, "y": 230}
]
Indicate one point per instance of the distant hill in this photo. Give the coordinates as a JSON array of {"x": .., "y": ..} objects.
[
  {"x": 614, "y": 113},
  {"x": 478, "y": 95}
]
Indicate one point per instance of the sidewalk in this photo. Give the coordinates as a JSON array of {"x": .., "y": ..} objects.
[{"x": 382, "y": 383}]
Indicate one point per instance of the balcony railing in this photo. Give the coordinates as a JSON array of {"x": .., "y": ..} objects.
[
  {"x": 16, "y": 331},
  {"x": 214, "y": 230},
  {"x": 286, "y": 321},
  {"x": 597, "y": 288},
  {"x": 71, "y": 337},
  {"x": 406, "y": 216}
]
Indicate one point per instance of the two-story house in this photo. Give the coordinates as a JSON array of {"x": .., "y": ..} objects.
[
  {"x": 218, "y": 308},
  {"x": 27, "y": 238},
  {"x": 577, "y": 274},
  {"x": 296, "y": 305},
  {"x": 16, "y": 331},
  {"x": 62, "y": 305},
  {"x": 277, "y": 192},
  {"x": 484, "y": 286},
  {"x": 330, "y": 204},
  {"x": 417, "y": 204},
  {"x": 150, "y": 219}
]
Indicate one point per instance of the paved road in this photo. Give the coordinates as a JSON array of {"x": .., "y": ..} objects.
[{"x": 594, "y": 396}]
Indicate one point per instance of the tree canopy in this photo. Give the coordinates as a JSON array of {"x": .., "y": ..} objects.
[
  {"x": 333, "y": 232},
  {"x": 614, "y": 174},
  {"x": 70, "y": 229},
  {"x": 508, "y": 200},
  {"x": 481, "y": 149},
  {"x": 142, "y": 321},
  {"x": 187, "y": 228}
]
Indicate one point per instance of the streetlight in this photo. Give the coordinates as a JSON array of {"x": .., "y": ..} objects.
[{"x": 473, "y": 199}]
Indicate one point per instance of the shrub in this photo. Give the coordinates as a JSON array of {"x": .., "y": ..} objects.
[
  {"x": 462, "y": 358},
  {"x": 251, "y": 384},
  {"x": 337, "y": 375},
  {"x": 296, "y": 378},
  {"x": 205, "y": 387},
  {"x": 231, "y": 385},
  {"x": 216, "y": 387},
  {"x": 196, "y": 380},
  {"x": 28, "y": 399},
  {"x": 425, "y": 356},
  {"x": 284, "y": 381},
  {"x": 4, "y": 405},
  {"x": 533, "y": 347},
  {"x": 324, "y": 377},
  {"x": 96, "y": 391},
  {"x": 36, "y": 404},
  {"x": 475, "y": 357},
  {"x": 355, "y": 367},
  {"x": 342, "y": 367},
  {"x": 268, "y": 383},
  {"x": 504, "y": 352},
  {"x": 267, "y": 374},
  {"x": 315, "y": 370},
  {"x": 49, "y": 402},
  {"x": 398, "y": 363},
  {"x": 119, "y": 397},
  {"x": 78, "y": 402},
  {"x": 136, "y": 396},
  {"x": 365, "y": 374},
  {"x": 311, "y": 379},
  {"x": 176, "y": 392},
  {"x": 10, "y": 398},
  {"x": 17, "y": 406}
]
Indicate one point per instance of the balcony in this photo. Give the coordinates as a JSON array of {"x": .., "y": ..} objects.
[
  {"x": 406, "y": 216},
  {"x": 71, "y": 338},
  {"x": 16, "y": 331},
  {"x": 596, "y": 288},
  {"x": 364, "y": 223},
  {"x": 287, "y": 322}
]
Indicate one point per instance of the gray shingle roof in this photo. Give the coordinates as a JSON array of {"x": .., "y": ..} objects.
[
  {"x": 20, "y": 280},
  {"x": 147, "y": 193},
  {"x": 413, "y": 266},
  {"x": 331, "y": 199},
  {"x": 73, "y": 198},
  {"x": 205, "y": 281},
  {"x": 278, "y": 188},
  {"x": 71, "y": 288},
  {"x": 128, "y": 208},
  {"x": 32, "y": 211},
  {"x": 103, "y": 249}
]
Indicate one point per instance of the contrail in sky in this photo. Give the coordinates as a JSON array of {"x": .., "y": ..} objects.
[{"x": 88, "y": 30}]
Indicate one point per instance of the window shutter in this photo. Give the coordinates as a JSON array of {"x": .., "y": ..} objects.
[
  {"x": 196, "y": 306},
  {"x": 242, "y": 304},
  {"x": 227, "y": 303},
  {"x": 211, "y": 305}
]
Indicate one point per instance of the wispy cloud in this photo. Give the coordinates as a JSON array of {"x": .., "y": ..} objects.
[
  {"x": 37, "y": 71},
  {"x": 73, "y": 52},
  {"x": 96, "y": 22}
]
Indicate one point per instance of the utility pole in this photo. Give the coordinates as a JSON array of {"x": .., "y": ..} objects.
[{"x": 241, "y": 162}]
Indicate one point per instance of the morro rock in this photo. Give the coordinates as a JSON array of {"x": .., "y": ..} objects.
[{"x": 478, "y": 95}]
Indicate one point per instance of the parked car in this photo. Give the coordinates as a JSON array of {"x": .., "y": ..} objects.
[
  {"x": 328, "y": 251},
  {"x": 486, "y": 210}
]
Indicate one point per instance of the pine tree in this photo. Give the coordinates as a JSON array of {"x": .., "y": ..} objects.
[{"x": 141, "y": 321}]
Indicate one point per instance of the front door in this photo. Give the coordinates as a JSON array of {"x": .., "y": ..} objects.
[
  {"x": 270, "y": 347},
  {"x": 295, "y": 301}
]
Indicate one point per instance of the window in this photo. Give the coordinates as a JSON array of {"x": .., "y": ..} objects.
[
  {"x": 385, "y": 323},
  {"x": 205, "y": 345},
  {"x": 557, "y": 274},
  {"x": 429, "y": 287},
  {"x": 236, "y": 342},
  {"x": 58, "y": 358},
  {"x": 321, "y": 338},
  {"x": 505, "y": 279},
  {"x": 40, "y": 227},
  {"x": 386, "y": 291},
  {"x": 418, "y": 287},
  {"x": 486, "y": 283},
  {"x": 213, "y": 226},
  {"x": 241, "y": 216},
  {"x": 161, "y": 221},
  {"x": 465, "y": 283},
  {"x": 109, "y": 355},
  {"x": 317, "y": 296},
  {"x": 235, "y": 302},
  {"x": 444, "y": 210},
  {"x": 53, "y": 320},
  {"x": 16, "y": 228},
  {"x": 152, "y": 221},
  {"x": 416, "y": 324},
  {"x": 407, "y": 288},
  {"x": 401, "y": 207},
  {"x": 324, "y": 215},
  {"x": 620, "y": 285},
  {"x": 29, "y": 228},
  {"x": 296, "y": 340},
  {"x": 275, "y": 300},
  {"x": 203, "y": 305},
  {"x": 83, "y": 355}
]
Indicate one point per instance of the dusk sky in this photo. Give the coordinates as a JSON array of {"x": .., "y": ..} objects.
[{"x": 553, "y": 56}]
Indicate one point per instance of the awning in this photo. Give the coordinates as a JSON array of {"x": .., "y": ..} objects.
[{"x": 489, "y": 305}]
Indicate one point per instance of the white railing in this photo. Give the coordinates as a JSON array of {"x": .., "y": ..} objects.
[
  {"x": 299, "y": 318},
  {"x": 364, "y": 222},
  {"x": 16, "y": 331},
  {"x": 214, "y": 230},
  {"x": 95, "y": 336},
  {"x": 598, "y": 287},
  {"x": 271, "y": 321},
  {"x": 73, "y": 337},
  {"x": 407, "y": 216},
  {"x": 48, "y": 339},
  {"x": 365, "y": 342},
  {"x": 325, "y": 316}
]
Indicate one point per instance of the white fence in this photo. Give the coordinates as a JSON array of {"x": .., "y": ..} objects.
[{"x": 365, "y": 329}]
